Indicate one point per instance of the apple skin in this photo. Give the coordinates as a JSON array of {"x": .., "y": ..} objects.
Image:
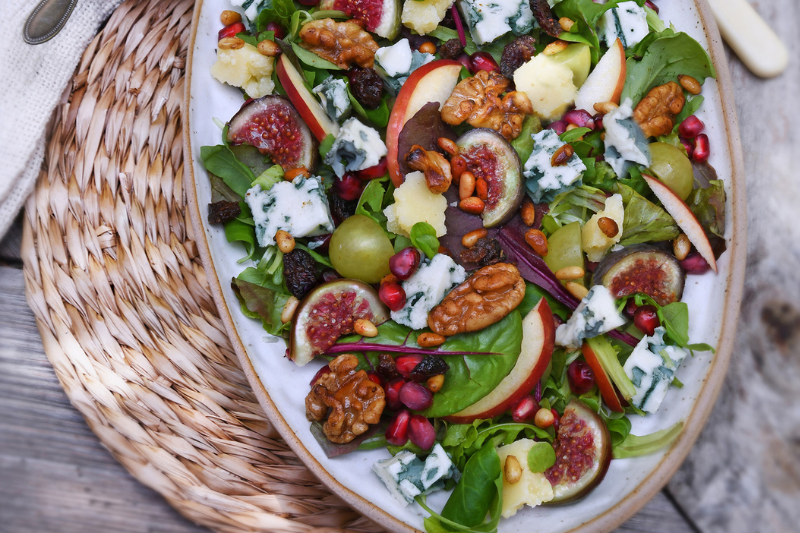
[
  {"x": 405, "y": 105},
  {"x": 606, "y": 81},
  {"x": 685, "y": 219},
  {"x": 529, "y": 369},
  {"x": 603, "y": 381},
  {"x": 306, "y": 104}
]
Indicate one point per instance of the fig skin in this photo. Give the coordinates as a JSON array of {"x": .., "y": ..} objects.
[{"x": 661, "y": 266}]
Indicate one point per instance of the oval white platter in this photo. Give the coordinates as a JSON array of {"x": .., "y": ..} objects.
[{"x": 281, "y": 386}]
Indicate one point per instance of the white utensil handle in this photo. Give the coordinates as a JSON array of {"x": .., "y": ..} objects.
[{"x": 750, "y": 37}]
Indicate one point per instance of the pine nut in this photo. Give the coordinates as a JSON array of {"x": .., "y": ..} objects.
[
  {"x": 528, "y": 212},
  {"x": 562, "y": 156},
  {"x": 429, "y": 340},
  {"x": 571, "y": 127},
  {"x": 537, "y": 240},
  {"x": 230, "y": 43},
  {"x": 690, "y": 84},
  {"x": 435, "y": 383},
  {"x": 576, "y": 289},
  {"x": 466, "y": 187},
  {"x": 469, "y": 240},
  {"x": 427, "y": 48},
  {"x": 570, "y": 273},
  {"x": 608, "y": 226},
  {"x": 229, "y": 17},
  {"x": 288, "y": 309},
  {"x": 605, "y": 107},
  {"x": 472, "y": 205},
  {"x": 512, "y": 469},
  {"x": 365, "y": 328},
  {"x": 293, "y": 173},
  {"x": 544, "y": 418},
  {"x": 681, "y": 247},
  {"x": 566, "y": 23},
  {"x": 482, "y": 189},
  {"x": 285, "y": 241},
  {"x": 448, "y": 146},
  {"x": 555, "y": 47},
  {"x": 269, "y": 48}
]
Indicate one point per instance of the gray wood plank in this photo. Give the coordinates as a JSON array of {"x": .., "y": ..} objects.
[{"x": 10, "y": 245}]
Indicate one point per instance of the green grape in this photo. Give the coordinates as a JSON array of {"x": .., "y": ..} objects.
[
  {"x": 360, "y": 249},
  {"x": 672, "y": 167},
  {"x": 564, "y": 248}
]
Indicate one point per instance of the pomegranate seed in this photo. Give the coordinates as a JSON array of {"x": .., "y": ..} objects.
[
  {"x": 559, "y": 126},
  {"x": 525, "y": 409},
  {"x": 631, "y": 307},
  {"x": 695, "y": 264},
  {"x": 378, "y": 171},
  {"x": 580, "y": 118},
  {"x": 329, "y": 275},
  {"x": 392, "y": 391},
  {"x": 651, "y": 5},
  {"x": 405, "y": 262},
  {"x": 393, "y": 295},
  {"x": 231, "y": 30},
  {"x": 349, "y": 187},
  {"x": 375, "y": 377},
  {"x": 406, "y": 363},
  {"x": 415, "y": 396},
  {"x": 324, "y": 370},
  {"x": 598, "y": 121},
  {"x": 646, "y": 319},
  {"x": 397, "y": 432},
  {"x": 276, "y": 29},
  {"x": 580, "y": 376},
  {"x": 464, "y": 60},
  {"x": 482, "y": 61},
  {"x": 689, "y": 147},
  {"x": 702, "y": 149},
  {"x": 691, "y": 127},
  {"x": 556, "y": 419},
  {"x": 421, "y": 432}
]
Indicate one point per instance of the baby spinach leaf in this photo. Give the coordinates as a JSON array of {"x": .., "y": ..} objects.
[
  {"x": 220, "y": 161},
  {"x": 523, "y": 144},
  {"x": 574, "y": 134},
  {"x": 541, "y": 457},
  {"x": 470, "y": 501},
  {"x": 675, "y": 319},
  {"x": 423, "y": 236},
  {"x": 370, "y": 203},
  {"x": 635, "y": 446},
  {"x": 644, "y": 221},
  {"x": 311, "y": 59},
  {"x": 238, "y": 231}
]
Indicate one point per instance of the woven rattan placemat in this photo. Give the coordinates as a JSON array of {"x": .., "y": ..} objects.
[{"x": 122, "y": 302}]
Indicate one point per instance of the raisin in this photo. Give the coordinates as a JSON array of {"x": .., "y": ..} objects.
[
  {"x": 432, "y": 365},
  {"x": 485, "y": 252},
  {"x": 366, "y": 86},
  {"x": 341, "y": 209},
  {"x": 386, "y": 367},
  {"x": 223, "y": 211},
  {"x": 451, "y": 49},
  {"x": 300, "y": 271},
  {"x": 517, "y": 53},
  {"x": 544, "y": 16}
]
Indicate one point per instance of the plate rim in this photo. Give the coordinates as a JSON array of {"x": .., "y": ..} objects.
[{"x": 694, "y": 423}]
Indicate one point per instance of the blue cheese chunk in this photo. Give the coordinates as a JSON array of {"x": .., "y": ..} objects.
[
  {"x": 544, "y": 181},
  {"x": 626, "y": 22},
  {"x": 251, "y": 7},
  {"x": 596, "y": 314},
  {"x": 333, "y": 95},
  {"x": 406, "y": 476},
  {"x": 298, "y": 207},
  {"x": 625, "y": 141},
  {"x": 356, "y": 147},
  {"x": 426, "y": 288},
  {"x": 651, "y": 367},
  {"x": 397, "y": 62},
  {"x": 489, "y": 19}
]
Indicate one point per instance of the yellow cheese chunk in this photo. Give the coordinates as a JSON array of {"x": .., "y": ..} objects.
[
  {"x": 532, "y": 488},
  {"x": 549, "y": 85},
  {"x": 423, "y": 16},
  {"x": 595, "y": 242},
  {"x": 413, "y": 203},
  {"x": 245, "y": 68}
]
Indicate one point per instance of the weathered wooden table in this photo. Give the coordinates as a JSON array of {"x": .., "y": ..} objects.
[{"x": 743, "y": 475}]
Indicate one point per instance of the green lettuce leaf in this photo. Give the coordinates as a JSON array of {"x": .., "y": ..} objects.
[
  {"x": 261, "y": 299},
  {"x": 708, "y": 205},
  {"x": 523, "y": 144},
  {"x": 220, "y": 161},
  {"x": 644, "y": 221}
]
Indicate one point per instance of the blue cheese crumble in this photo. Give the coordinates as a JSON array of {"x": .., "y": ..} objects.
[
  {"x": 489, "y": 19},
  {"x": 651, "y": 367},
  {"x": 406, "y": 476},
  {"x": 333, "y": 95},
  {"x": 625, "y": 141},
  {"x": 398, "y": 61},
  {"x": 627, "y": 21},
  {"x": 544, "y": 181},
  {"x": 356, "y": 147},
  {"x": 298, "y": 207},
  {"x": 596, "y": 314},
  {"x": 426, "y": 288},
  {"x": 251, "y": 7}
]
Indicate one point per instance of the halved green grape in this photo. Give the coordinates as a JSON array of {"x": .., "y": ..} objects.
[
  {"x": 672, "y": 167},
  {"x": 564, "y": 248},
  {"x": 360, "y": 249}
]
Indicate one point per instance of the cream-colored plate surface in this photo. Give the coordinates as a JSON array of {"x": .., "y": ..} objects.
[{"x": 281, "y": 386}]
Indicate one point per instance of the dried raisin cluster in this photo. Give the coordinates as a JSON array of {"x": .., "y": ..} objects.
[
  {"x": 223, "y": 211},
  {"x": 486, "y": 252},
  {"x": 517, "y": 53},
  {"x": 300, "y": 272},
  {"x": 366, "y": 86},
  {"x": 341, "y": 209},
  {"x": 451, "y": 49}
]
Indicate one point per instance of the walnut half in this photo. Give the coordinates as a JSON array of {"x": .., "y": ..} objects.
[
  {"x": 486, "y": 297},
  {"x": 341, "y": 43},
  {"x": 435, "y": 166},
  {"x": 655, "y": 114},
  {"x": 348, "y": 398}
]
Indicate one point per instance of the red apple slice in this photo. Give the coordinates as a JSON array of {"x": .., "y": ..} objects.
[
  {"x": 433, "y": 82},
  {"x": 606, "y": 81},
  {"x": 306, "y": 104},
  {"x": 603, "y": 381},
  {"x": 685, "y": 219},
  {"x": 538, "y": 340}
]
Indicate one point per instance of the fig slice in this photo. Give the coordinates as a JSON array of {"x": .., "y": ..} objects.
[
  {"x": 329, "y": 312},
  {"x": 583, "y": 453},
  {"x": 490, "y": 157},
  {"x": 643, "y": 269},
  {"x": 381, "y": 17},
  {"x": 272, "y": 125}
]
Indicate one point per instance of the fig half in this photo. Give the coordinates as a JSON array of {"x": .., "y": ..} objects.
[
  {"x": 643, "y": 269},
  {"x": 490, "y": 157},
  {"x": 329, "y": 312},
  {"x": 583, "y": 453}
]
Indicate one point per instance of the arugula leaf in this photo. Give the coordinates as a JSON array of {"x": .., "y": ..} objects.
[
  {"x": 523, "y": 144},
  {"x": 644, "y": 221},
  {"x": 220, "y": 161},
  {"x": 246, "y": 37},
  {"x": 311, "y": 59},
  {"x": 585, "y": 14},
  {"x": 635, "y": 446},
  {"x": 470, "y": 501},
  {"x": 541, "y": 457},
  {"x": 423, "y": 236}
]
